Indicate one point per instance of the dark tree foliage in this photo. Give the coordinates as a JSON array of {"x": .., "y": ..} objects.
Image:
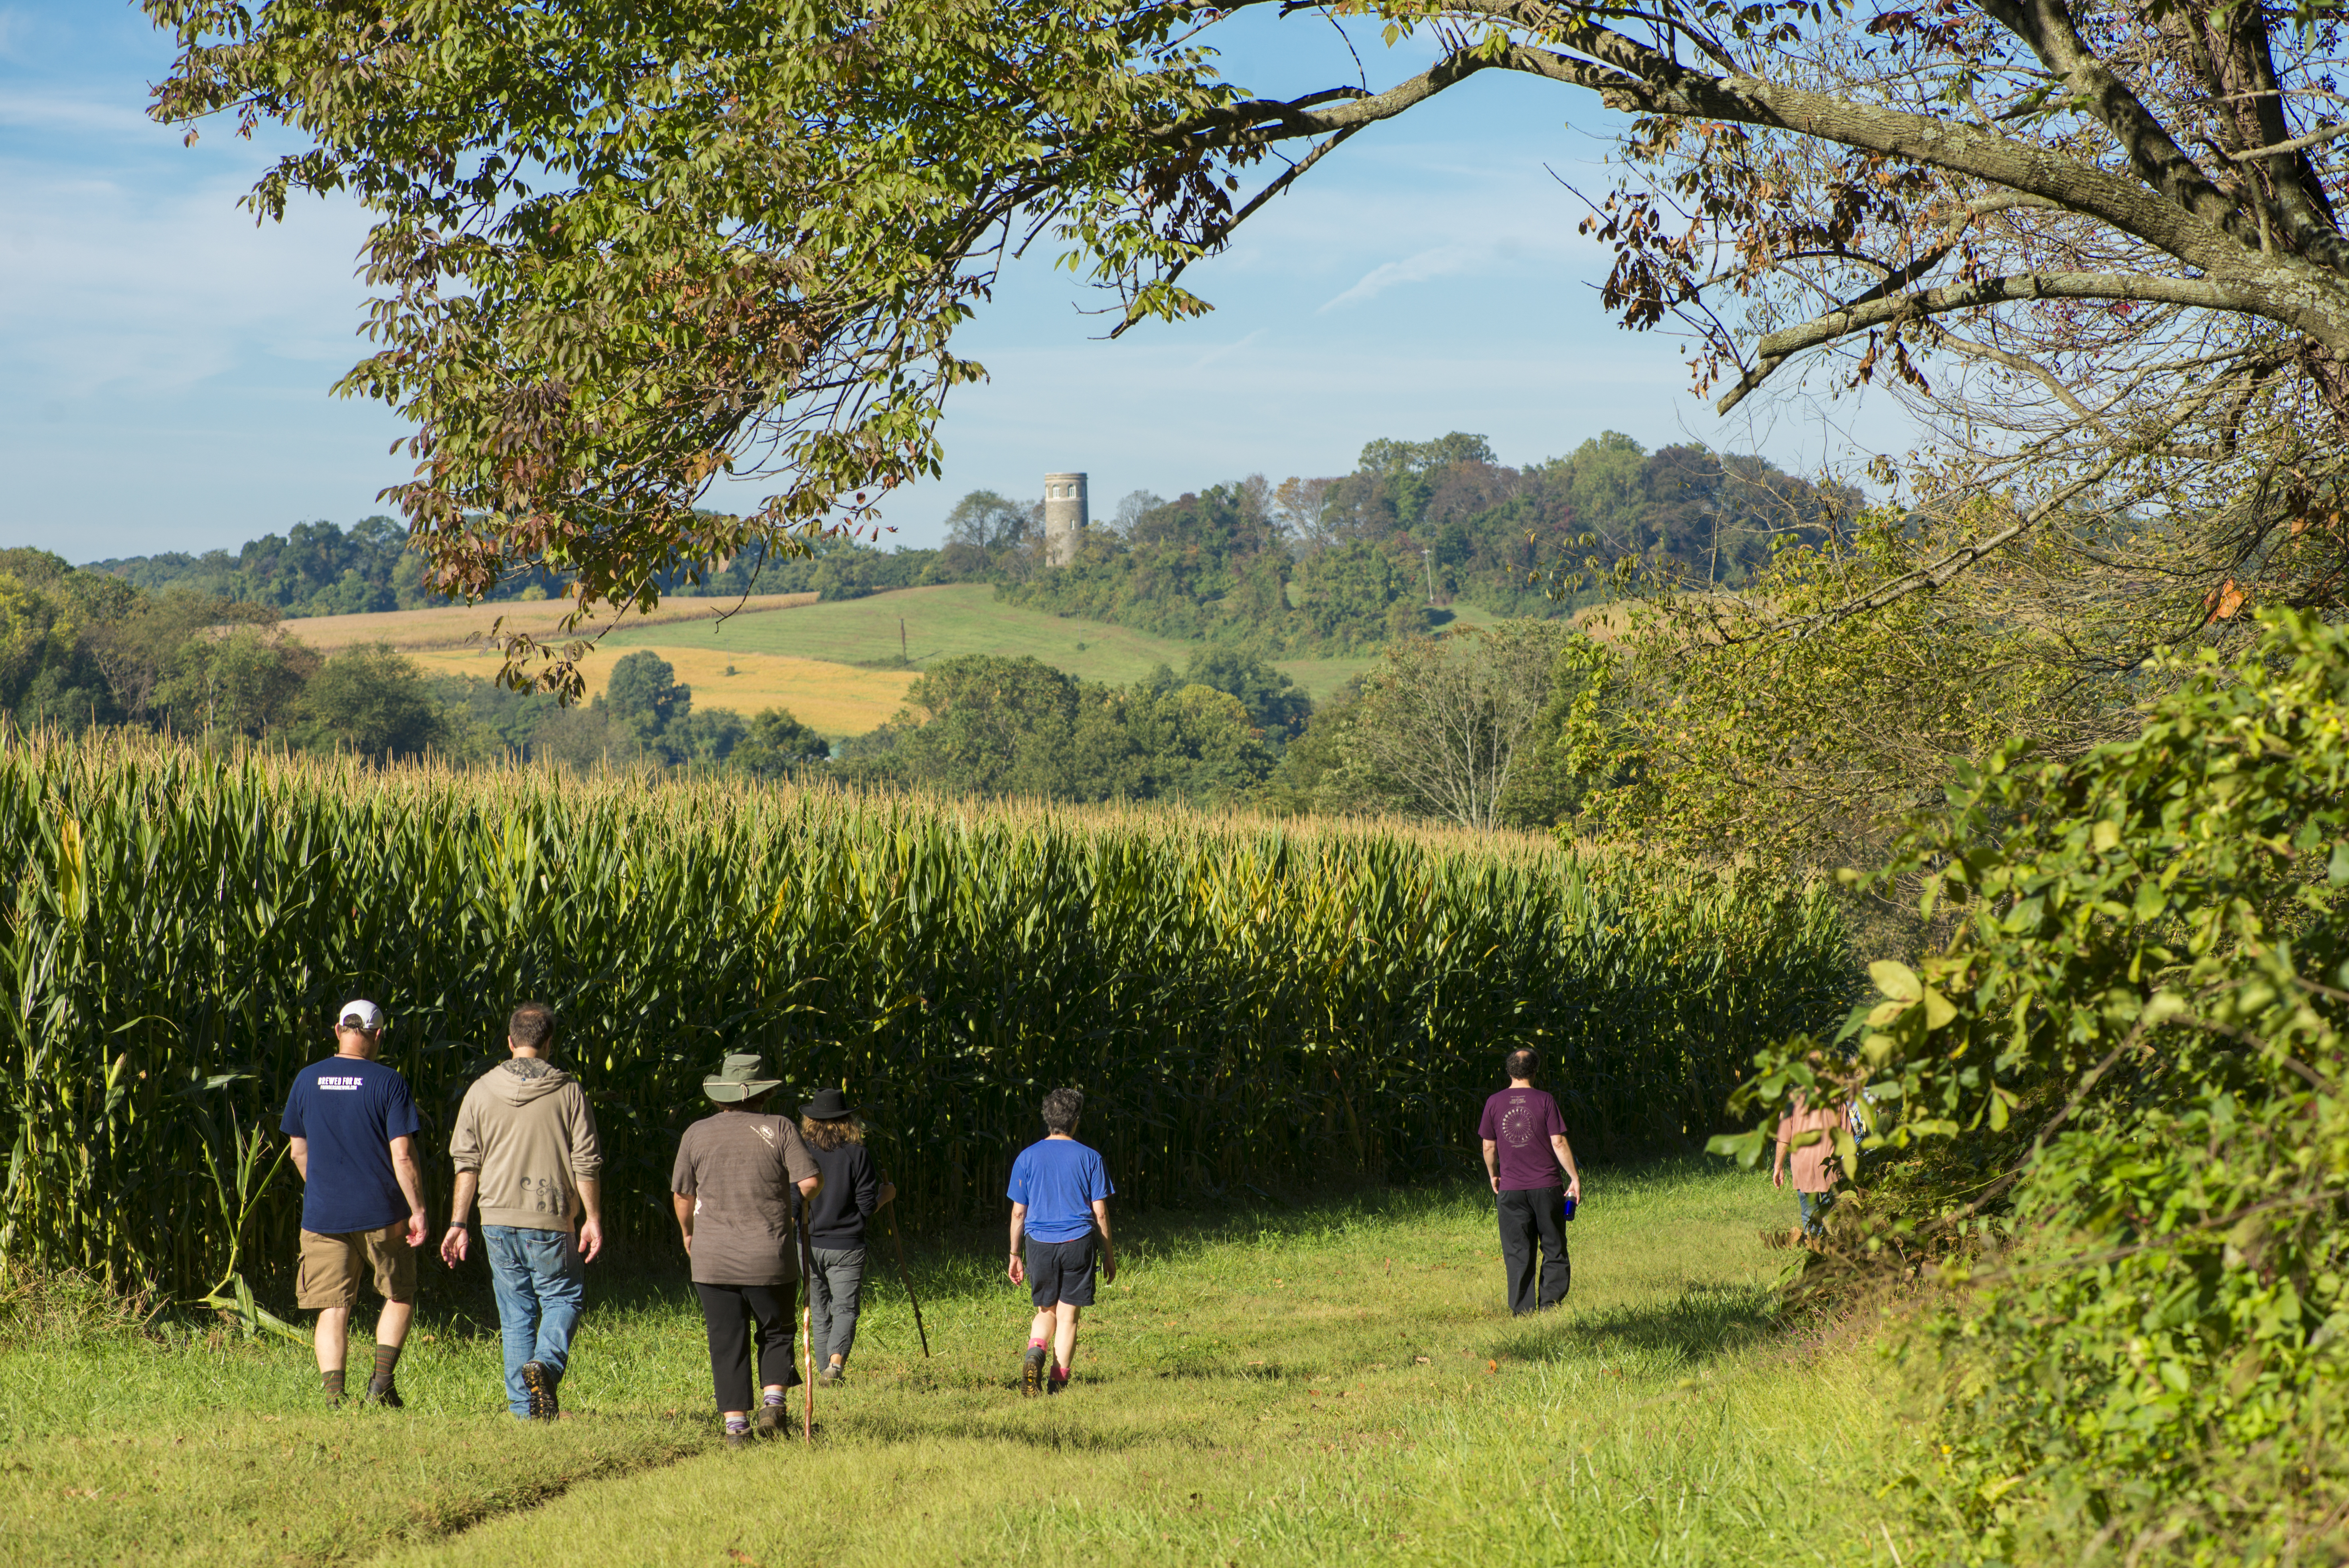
[
  {"x": 312, "y": 569},
  {"x": 1273, "y": 701},
  {"x": 369, "y": 700},
  {"x": 1421, "y": 525},
  {"x": 985, "y": 725},
  {"x": 778, "y": 745},
  {"x": 1474, "y": 530}
]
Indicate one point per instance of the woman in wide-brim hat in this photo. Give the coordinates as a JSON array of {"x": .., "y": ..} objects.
[
  {"x": 733, "y": 1187},
  {"x": 852, "y": 1189}
]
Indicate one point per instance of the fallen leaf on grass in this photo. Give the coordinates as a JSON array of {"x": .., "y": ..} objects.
[
  {"x": 742, "y": 1557},
  {"x": 1419, "y": 1361},
  {"x": 1492, "y": 1367}
]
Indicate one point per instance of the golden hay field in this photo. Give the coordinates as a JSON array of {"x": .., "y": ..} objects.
[
  {"x": 457, "y": 624},
  {"x": 835, "y": 700}
]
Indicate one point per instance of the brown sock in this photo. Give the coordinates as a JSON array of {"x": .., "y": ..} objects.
[
  {"x": 332, "y": 1382},
  {"x": 386, "y": 1357}
]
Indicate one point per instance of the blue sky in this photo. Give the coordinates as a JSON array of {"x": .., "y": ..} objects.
[{"x": 166, "y": 364}]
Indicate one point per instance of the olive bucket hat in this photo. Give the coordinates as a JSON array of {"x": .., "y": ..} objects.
[{"x": 744, "y": 1077}]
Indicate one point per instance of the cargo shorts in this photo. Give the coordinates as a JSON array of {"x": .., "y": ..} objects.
[{"x": 333, "y": 1267}]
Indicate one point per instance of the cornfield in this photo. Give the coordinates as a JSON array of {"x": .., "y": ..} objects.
[{"x": 1244, "y": 1003}]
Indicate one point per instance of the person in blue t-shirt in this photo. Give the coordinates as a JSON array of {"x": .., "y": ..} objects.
[
  {"x": 1060, "y": 1198},
  {"x": 353, "y": 1125}
]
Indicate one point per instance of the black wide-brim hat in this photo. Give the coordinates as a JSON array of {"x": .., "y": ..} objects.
[{"x": 829, "y": 1105}]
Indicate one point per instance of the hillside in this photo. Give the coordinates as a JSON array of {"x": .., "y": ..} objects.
[
  {"x": 940, "y": 623},
  {"x": 835, "y": 666}
]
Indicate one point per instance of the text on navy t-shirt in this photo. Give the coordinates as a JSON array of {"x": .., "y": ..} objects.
[
  {"x": 1520, "y": 1123},
  {"x": 350, "y": 1109},
  {"x": 1058, "y": 1180}
]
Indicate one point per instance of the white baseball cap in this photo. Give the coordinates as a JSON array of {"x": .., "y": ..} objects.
[{"x": 369, "y": 1016}]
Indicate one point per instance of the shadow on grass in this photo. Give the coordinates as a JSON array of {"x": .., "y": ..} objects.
[
  {"x": 899, "y": 1427},
  {"x": 1701, "y": 1323}
]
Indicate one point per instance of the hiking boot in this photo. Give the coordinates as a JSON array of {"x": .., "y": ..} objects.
[
  {"x": 538, "y": 1380},
  {"x": 830, "y": 1376},
  {"x": 771, "y": 1421},
  {"x": 738, "y": 1439},
  {"x": 1058, "y": 1383},
  {"x": 1031, "y": 1379},
  {"x": 385, "y": 1394}
]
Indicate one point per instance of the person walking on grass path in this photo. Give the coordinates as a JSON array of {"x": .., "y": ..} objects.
[
  {"x": 1525, "y": 1151},
  {"x": 525, "y": 1143},
  {"x": 1809, "y": 1136},
  {"x": 852, "y": 1190},
  {"x": 733, "y": 1192},
  {"x": 1060, "y": 1194},
  {"x": 352, "y": 1122}
]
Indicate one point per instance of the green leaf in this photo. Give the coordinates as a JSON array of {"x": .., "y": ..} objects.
[{"x": 1896, "y": 980}]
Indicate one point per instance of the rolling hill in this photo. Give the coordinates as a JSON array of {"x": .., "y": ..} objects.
[{"x": 834, "y": 665}]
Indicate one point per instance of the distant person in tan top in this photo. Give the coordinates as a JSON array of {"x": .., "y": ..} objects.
[
  {"x": 525, "y": 1143},
  {"x": 735, "y": 1204},
  {"x": 1815, "y": 1175}
]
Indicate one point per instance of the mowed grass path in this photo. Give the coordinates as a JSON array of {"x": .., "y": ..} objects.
[{"x": 1338, "y": 1383}]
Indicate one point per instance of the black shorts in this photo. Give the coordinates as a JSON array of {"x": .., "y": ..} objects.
[{"x": 1062, "y": 1271}]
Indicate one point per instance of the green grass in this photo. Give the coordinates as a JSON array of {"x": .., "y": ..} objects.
[
  {"x": 1335, "y": 1383},
  {"x": 941, "y": 623}
]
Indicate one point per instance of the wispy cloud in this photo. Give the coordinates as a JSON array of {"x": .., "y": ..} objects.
[
  {"x": 1225, "y": 350},
  {"x": 1441, "y": 260},
  {"x": 76, "y": 113}
]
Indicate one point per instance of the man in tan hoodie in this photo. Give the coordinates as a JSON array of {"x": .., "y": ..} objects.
[{"x": 525, "y": 1143}]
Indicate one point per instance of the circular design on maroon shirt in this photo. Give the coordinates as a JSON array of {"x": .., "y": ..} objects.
[{"x": 1518, "y": 1126}]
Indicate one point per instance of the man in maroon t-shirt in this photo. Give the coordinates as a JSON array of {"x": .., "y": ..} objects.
[{"x": 1525, "y": 1150}]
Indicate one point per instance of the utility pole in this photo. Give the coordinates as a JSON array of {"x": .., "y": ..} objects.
[
  {"x": 1427, "y": 558},
  {"x": 901, "y": 641}
]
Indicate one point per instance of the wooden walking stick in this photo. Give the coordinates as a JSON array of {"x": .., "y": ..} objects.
[
  {"x": 807, "y": 1313},
  {"x": 908, "y": 1281}
]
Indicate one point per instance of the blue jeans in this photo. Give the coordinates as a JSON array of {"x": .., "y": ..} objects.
[
  {"x": 1815, "y": 1206},
  {"x": 536, "y": 1277}
]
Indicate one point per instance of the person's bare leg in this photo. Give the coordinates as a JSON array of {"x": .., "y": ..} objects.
[
  {"x": 391, "y": 1328},
  {"x": 1041, "y": 1329},
  {"x": 333, "y": 1339},
  {"x": 1064, "y": 1337}
]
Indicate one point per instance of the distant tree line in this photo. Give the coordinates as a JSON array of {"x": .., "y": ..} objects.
[
  {"x": 1467, "y": 723},
  {"x": 322, "y": 568},
  {"x": 1346, "y": 564},
  {"x": 83, "y": 647}
]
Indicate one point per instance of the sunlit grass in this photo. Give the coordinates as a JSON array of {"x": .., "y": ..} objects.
[{"x": 1333, "y": 1383}]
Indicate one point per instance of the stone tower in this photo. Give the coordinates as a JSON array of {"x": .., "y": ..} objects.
[{"x": 1065, "y": 516}]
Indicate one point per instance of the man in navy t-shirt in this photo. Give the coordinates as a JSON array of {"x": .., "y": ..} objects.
[
  {"x": 1525, "y": 1150},
  {"x": 1060, "y": 1196},
  {"x": 353, "y": 1125}
]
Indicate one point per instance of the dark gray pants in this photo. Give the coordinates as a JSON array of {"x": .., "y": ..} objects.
[
  {"x": 834, "y": 1292},
  {"x": 1527, "y": 1219}
]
